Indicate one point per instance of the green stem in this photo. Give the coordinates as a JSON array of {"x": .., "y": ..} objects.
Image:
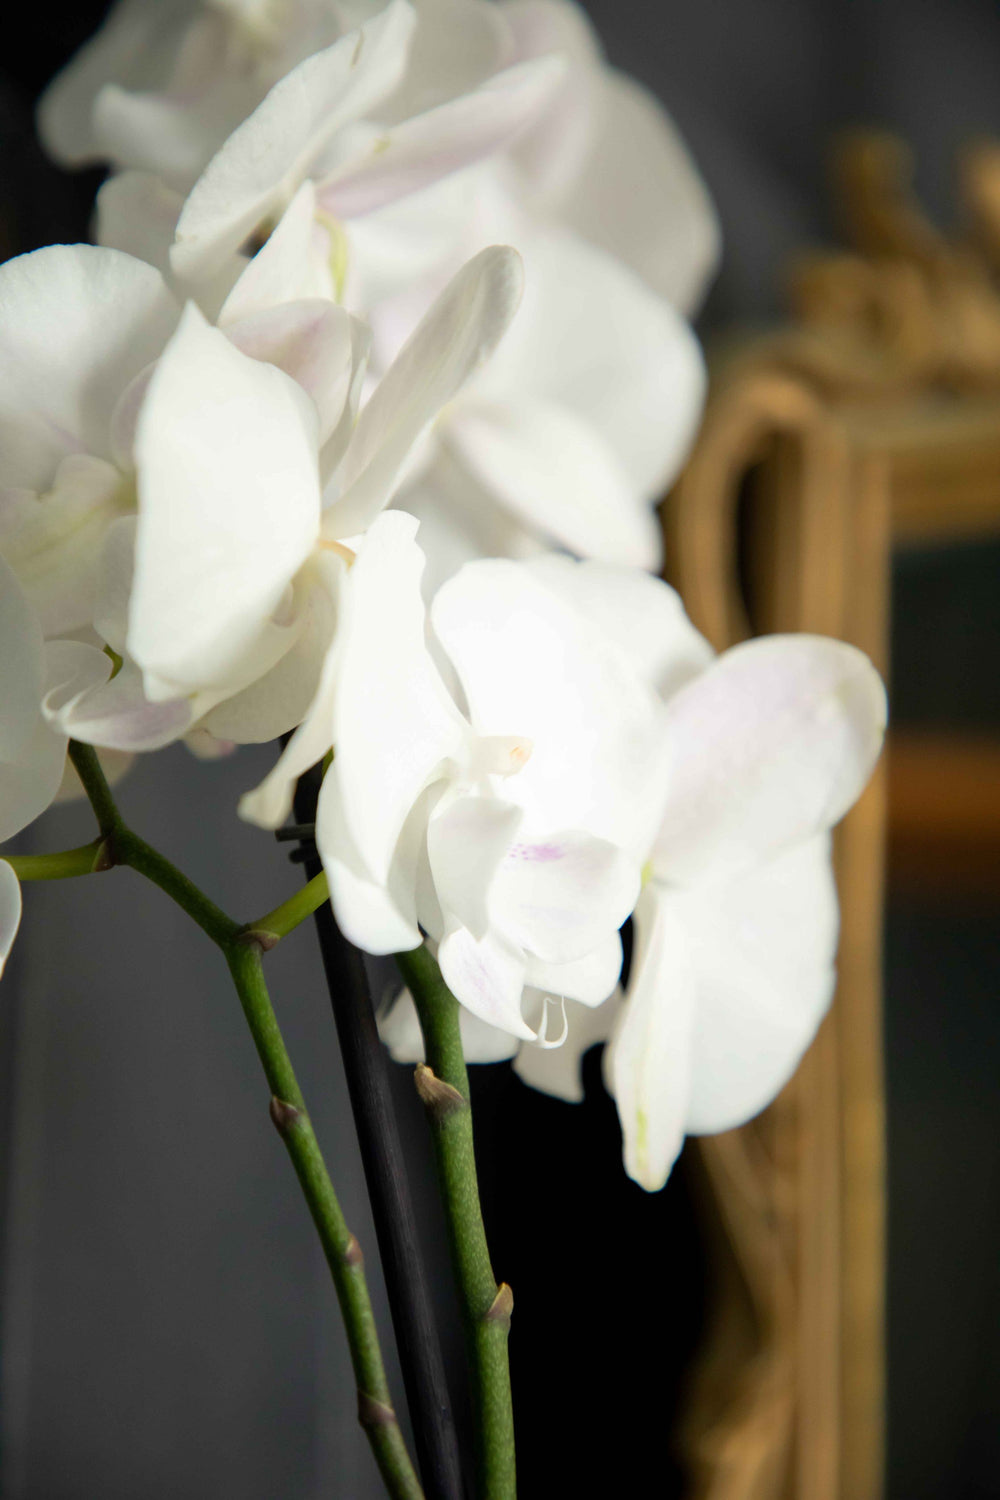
[
  {"x": 86, "y": 860},
  {"x": 123, "y": 847},
  {"x": 343, "y": 1253},
  {"x": 95, "y": 784},
  {"x": 443, "y": 1085},
  {"x": 242, "y": 949},
  {"x": 286, "y": 917}
]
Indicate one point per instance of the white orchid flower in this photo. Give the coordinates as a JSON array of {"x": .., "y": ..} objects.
[
  {"x": 765, "y": 748},
  {"x": 33, "y": 673},
  {"x": 316, "y": 125},
  {"x": 163, "y": 82},
  {"x": 78, "y": 325},
  {"x": 575, "y": 431},
  {"x": 248, "y": 486},
  {"x": 80, "y": 331},
  {"x": 512, "y": 835}
]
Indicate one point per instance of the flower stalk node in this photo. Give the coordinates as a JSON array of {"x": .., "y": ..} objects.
[
  {"x": 372, "y": 1413},
  {"x": 354, "y": 1255},
  {"x": 104, "y": 858},
  {"x": 285, "y": 1116},
  {"x": 502, "y": 1306},
  {"x": 440, "y": 1099},
  {"x": 259, "y": 937}
]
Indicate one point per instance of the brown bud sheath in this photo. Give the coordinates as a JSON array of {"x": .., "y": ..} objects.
[
  {"x": 284, "y": 1115},
  {"x": 372, "y": 1413},
  {"x": 503, "y": 1305},
  {"x": 440, "y": 1098}
]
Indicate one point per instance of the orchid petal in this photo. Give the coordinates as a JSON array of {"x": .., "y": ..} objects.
[
  {"x": 125, "y": 420},
  {"x": 466, "y": 844},
  {"x": 558, "y": 476},
  {"x": 772, "y": 744},
  {"x": 551, "y": 154},
  {"x": 287, "y": 267},
  {"x": 258, "y": 169},
  {"x": 589, "y": 980},
  {"x": 296, "y": 691},
  {"x": 228, "y": 512},
  {"x": 30, "y": 780},
  {"x": 487, "y": 976},
  {"x": 648, "y": 1064},
  {"x": 65, "y": 112},
  {"x": 395, "y": 724},
  {"x": 459, "y": 522},
  {"x": 641, "y": 615},
  {"x": 457, "y": 44},
  {"x": 314, "y": 343},
  {"x": 137, "y": 212},
  {"x": 116, "y": 714},
  {"x": 318, "y": 652},
  {"x": 22, "y": 667},
  {"x": 481, "y": 1043},
  {"x": 10, "y": 910},
  {"x": 54, "y": 541},
  {"x": 404, "y": 158},
  {"x": 762, "y": 947},
  {"x": 451, "y": 342},
  {"x": 29, "y": 784},
  {"x": 77, "y": 322},
  {"x": 374, "y": 915},
  {"x": 171, "y": 135},
  {"x": 204, "y": 745},
  {"x": 556, "y": 897},
  {"x": 530, "y": 663},
  {"x": 640, "y": 197},
  {"x": 336, "y": 445},
  {"x": 558, "y": 1070},
  {"x": 593, "y": 338},
  {"x": 114, "y": 583}
]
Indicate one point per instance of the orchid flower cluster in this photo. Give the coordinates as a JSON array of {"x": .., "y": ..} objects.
[{"x": 350, "y": 428}]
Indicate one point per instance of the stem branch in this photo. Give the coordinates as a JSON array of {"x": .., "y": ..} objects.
[
  {"x": 87, "y": 860},
  {"x": 242, "y": 951},
  {"x": 286, "y": 917},
  {"x": 443, "y": 1085}
]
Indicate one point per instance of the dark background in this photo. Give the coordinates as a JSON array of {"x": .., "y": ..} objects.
[{"x": 168, "y": 1328}]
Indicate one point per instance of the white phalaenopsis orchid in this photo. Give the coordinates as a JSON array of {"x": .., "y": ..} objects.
[
  {"x": 247, "y": 487},
  {"x": 315, "y": 128},
  {"x": 575, "y": 431},
  {"x": 357, "y": 156},
  {"x": 80, "y": 330},
  {"x": 322, "y": 218},
  {"x": 763, "y": 750},
  {"x": 164, "y": 82},
  {"x": 513, "y": 833}
]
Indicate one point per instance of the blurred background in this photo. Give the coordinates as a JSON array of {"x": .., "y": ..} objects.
[{"x": 167, "y": 1324}]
